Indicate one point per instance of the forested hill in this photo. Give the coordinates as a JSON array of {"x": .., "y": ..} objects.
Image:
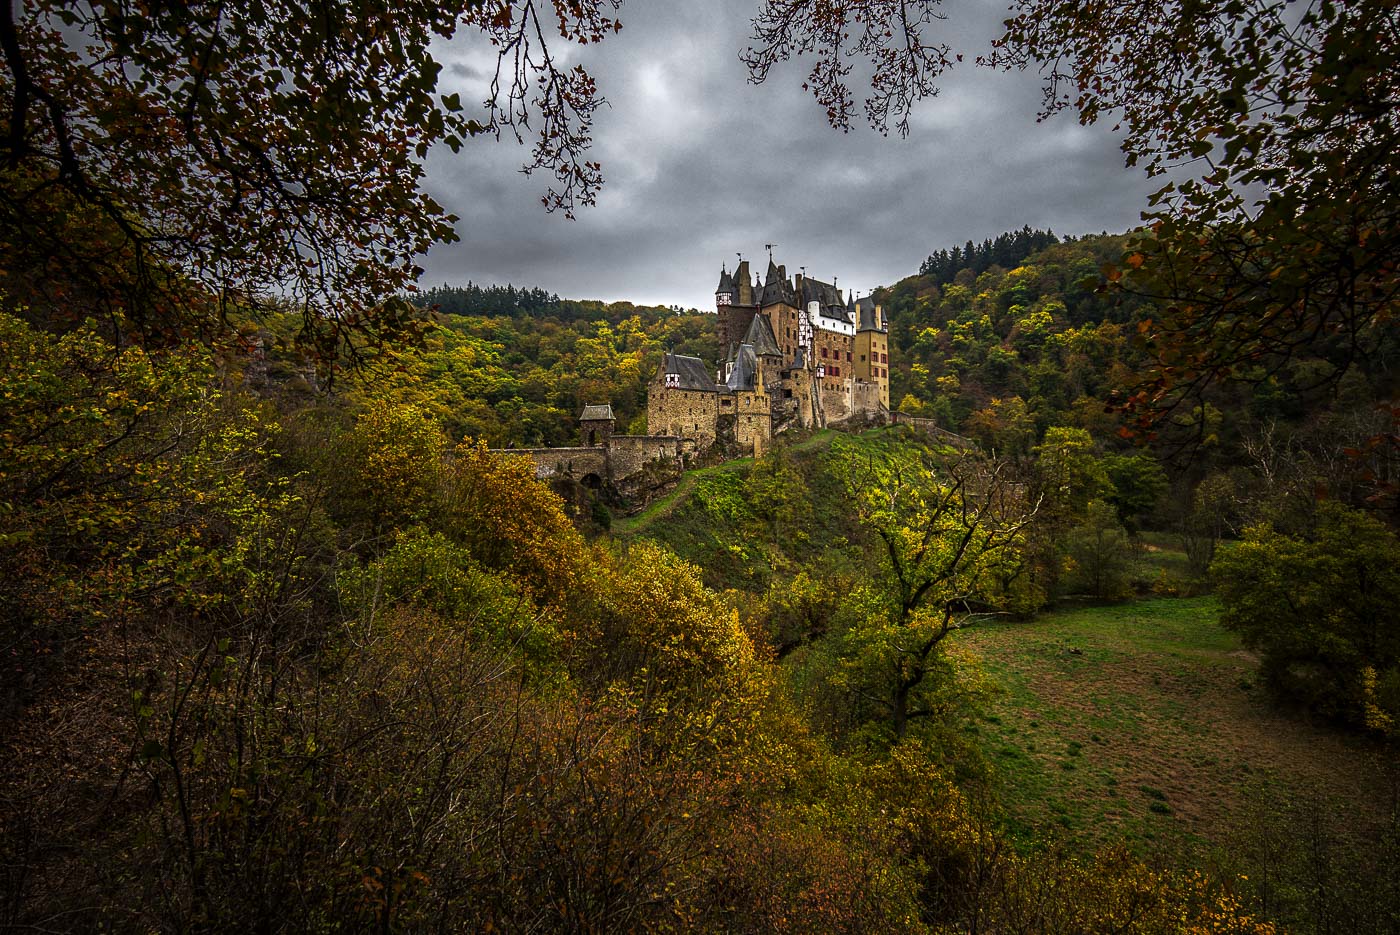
[
  {"x": 516, "y": 365},
  {"x": 1007, "y": 353},
  {"x": 967, "y": 349},
  {"x": 1001, "y": 354},
  {"x": 532, "y": 302},
  {"x": 1007, "y": 249}
]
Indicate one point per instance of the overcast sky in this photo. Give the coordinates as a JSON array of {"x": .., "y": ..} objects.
[{"x": 701, "y": 166}]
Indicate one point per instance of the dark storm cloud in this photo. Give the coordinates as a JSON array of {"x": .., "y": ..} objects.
[{"x": 701, "y": 165}]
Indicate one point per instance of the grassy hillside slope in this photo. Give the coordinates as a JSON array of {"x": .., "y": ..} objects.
[
  {"x": 1143, "y": 721},
  {"x": 1140, "y": 722}
]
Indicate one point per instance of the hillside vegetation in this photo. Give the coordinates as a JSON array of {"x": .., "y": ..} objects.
[
  {"x": 289, "y": 644},
  {"x": 287, "y": 652}
]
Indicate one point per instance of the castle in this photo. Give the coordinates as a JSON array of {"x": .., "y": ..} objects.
[{"x": 796, "y": 355}]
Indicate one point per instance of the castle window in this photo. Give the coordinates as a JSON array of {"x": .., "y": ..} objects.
[
  {"x": 862, "y": 358},
  {"x": 884, "y": 358},
  {"x": 823, "y": 352}
]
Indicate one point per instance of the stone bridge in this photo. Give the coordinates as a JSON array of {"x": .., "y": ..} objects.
[{"x": 624, "y": 462}]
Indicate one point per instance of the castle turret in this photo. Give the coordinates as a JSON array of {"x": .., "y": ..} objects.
[
  {"x": 735, "y": 313},
  {"x": 873, "y": 347},
  {"x": 724, "y": 292}
]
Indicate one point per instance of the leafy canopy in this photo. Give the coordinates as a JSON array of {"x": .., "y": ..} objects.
[{"x": 169, "y": 165}]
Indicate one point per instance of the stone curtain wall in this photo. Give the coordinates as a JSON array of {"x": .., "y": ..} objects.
[
  {"x": 931, "y": 429},
  {"x": 628, "y": 454}
]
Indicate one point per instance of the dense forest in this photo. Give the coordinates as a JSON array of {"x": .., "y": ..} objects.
[
  {"x": 507, "y": 301},
  {"x": 291, "y": 641},
  {"x": 1007, "y": 250}
]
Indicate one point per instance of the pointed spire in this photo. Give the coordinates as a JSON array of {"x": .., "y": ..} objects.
[
  {"x": 761, "y": 336},
  {"x": 726, "y": 282},
  {"x": 775, "y": 286}
]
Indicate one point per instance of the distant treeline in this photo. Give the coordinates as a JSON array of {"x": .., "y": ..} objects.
[
  {"x": 508, "y": 301},
  {"x": 1007, "y": 250}
]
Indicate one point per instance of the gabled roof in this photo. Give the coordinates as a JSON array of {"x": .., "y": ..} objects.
[
  {"x": 826, "y": 294},
  {"x": 761, "y": 336},
  {"x": 692, "y": 372},
  {"x": 595, "y": 413}
]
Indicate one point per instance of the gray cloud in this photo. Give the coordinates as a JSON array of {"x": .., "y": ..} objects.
[{"x": 701, "y": 165}]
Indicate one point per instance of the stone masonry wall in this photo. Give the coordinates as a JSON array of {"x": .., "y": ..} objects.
[
  {"x": 867, "y": 397},
  {"x": 931, "y": 429},
  {"x": 628, "y": 454},
  {"x": 836, "y": 399},
  {"x": 687, "y": 413},
  {"x": 753, "y": 426}
]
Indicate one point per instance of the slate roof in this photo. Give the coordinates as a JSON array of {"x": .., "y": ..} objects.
[
  {"x": 726, "y": 282},
  {"x": 692, "y": 371},
  {"x": 775, "y": 287},
  {"x": 744, "y": 370},
  {"x": 867, "y": 314},
  {"x": 595, "y": 413},
  {"x": 827, "y": 296},
  {"x": 761, "y": 337},
  {"x": 814, "y": 290}
]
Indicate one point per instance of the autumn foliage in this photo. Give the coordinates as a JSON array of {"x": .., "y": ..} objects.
[{"x": 252, "y": 685}]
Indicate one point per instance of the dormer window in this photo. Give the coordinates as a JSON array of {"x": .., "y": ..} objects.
[{"x": 673, "y": 380}]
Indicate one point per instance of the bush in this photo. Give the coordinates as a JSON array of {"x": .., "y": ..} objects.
[{"x": 1320, "y": 610}]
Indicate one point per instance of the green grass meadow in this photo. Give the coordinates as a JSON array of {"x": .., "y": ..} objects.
[{"x": 1143, "y": 722}]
